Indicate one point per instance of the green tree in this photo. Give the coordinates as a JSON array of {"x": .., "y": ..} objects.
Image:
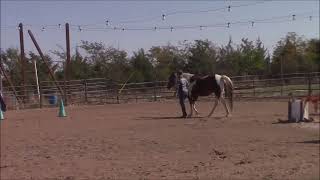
[
  {"x": 202, "y": 58},
  {"x": 166, "y": 59},
  {"x": 288, "y": 54},
  {"x": 142, "y": 67}
]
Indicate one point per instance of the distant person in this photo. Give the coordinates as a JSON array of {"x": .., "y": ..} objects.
[{"x": 3, "y": 104}]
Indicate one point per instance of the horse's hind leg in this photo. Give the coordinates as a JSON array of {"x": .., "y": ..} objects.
[
  {"x": 195, "y": 109},
  {"x": 214, "y": 107},
  {"x": 223, "y": 100}
]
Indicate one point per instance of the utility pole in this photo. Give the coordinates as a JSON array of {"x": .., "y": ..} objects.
[
  {"x": 67, "y": 64},
  {"x": 22, "y": 60}
]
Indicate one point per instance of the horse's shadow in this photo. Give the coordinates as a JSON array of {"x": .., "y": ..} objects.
[
  {"x": 311, "y": 142},
  {"x": 173, "y": 117}
]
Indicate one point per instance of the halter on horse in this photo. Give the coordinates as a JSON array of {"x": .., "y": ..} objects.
[{"x": 220, "y": 85}]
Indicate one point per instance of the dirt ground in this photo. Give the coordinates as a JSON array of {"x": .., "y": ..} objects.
[{"x": 147, "y": 141}]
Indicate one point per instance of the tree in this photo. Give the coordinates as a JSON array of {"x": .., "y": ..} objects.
[
  {"x": 166, "y": 59},
  {"x": 311, "y": 56},
  {"x": 10, "y": 59},
  {"x": 202, "y": 58},
  {"x": 142, "y": 67},
  {"x": 288, "y": 54}
]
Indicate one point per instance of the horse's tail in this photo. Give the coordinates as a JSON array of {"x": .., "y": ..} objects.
[{"x": 228, "y": 89}]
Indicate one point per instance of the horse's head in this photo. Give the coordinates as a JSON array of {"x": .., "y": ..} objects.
[{"x": 172, "y": 80}]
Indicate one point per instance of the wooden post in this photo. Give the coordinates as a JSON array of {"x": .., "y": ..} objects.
[
  {"x": 45, "y": 62},
  {"x": 281, "y": 90},
  {"x": 9, "y": 81},
  {"x": 254, "y": 89},
  {"x": 22, "y": 60},
  {"x": 155, "y": 86},
  {"x": 85, "y": 91},
  {"x": 117, "y": 89},
  {"x": 309, "y": 85},
  {"x": 41, "y": 96},
  {"x": 155, "y": 91},
  {"x": 65, "y": 92},
  {"x": 37, "y": 79},
  {"x": 281, "y": 69},
  {"x": 106, "y": 90},
  {"x": 68, "y": 64}
]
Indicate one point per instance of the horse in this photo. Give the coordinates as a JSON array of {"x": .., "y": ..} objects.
[{"x": 220, "y": 85}]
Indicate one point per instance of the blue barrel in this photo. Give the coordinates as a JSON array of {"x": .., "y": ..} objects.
[{"x": 53, "y": 99}]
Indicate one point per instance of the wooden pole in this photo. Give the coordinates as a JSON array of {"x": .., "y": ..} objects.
[
  {"x": 37, "y": 79},
  {"x": 309, "y": 85},
  {"x": 9, "y": 81},
  {"x": 68, "y": 63},
  {"x": 22, "y": 60},
  {"x": 45, "y": 62}
]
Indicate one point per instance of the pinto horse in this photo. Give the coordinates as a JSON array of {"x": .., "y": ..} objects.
[{"x": 220, "y": 85}]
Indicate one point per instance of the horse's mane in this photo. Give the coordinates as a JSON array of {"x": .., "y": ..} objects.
[{"x": 187, "y": 76}]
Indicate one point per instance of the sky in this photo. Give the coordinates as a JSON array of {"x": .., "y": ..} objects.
[{"x": 91, "y": 17}]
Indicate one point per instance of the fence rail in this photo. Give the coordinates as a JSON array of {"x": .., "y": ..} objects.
[{"x": 102, "y": 91}]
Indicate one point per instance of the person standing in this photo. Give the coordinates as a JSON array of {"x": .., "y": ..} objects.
[
  {"x": 183, "y": 85},
  {"x": 3, "y": 104}
]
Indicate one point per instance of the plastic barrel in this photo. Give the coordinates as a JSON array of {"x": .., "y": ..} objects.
[{"x": 53, "y": 99}]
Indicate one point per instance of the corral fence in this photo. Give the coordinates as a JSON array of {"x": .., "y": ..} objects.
[{"x": 107, "y": 91}]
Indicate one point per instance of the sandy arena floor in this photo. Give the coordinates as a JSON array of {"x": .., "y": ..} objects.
[{"x": 146, "y": 141}]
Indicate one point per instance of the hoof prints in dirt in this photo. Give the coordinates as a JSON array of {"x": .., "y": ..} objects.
[{"x": 217, "y": 154}]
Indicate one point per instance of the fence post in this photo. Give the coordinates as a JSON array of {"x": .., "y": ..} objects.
[
  {"x": 85, "y": 91},
  {"x": 106, "y": 90},
  {"x": 117, "y": 89},
  {"x": 309, "y": 84},
  {"x": 155, "y": 90},
  {"x": 254, "y": 88},
  {"x": 41, "y": 95},
  {"x": 282, "y": 84},
  {"x": 65, "y": 92}
]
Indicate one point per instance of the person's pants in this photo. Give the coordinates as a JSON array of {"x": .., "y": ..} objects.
[
  {"x": 182, "y": 97},
  {"x": 3, "y": 105}
]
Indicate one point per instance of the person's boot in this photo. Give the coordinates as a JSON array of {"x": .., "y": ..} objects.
[{"x": 184, "y": 115}]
